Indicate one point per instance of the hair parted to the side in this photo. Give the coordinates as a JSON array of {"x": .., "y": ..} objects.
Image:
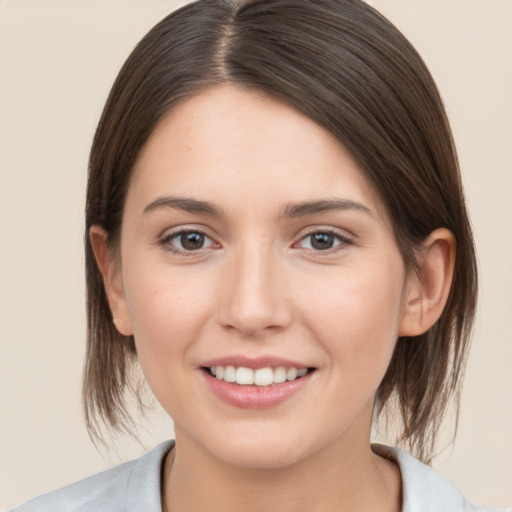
[{"x": 349, "y": 69}]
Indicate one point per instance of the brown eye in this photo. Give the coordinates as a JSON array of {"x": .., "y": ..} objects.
[
  {"x": 192, "y": 241},
  {"x": 187, "y": 241},
  {"x": 322, "y": 241}
]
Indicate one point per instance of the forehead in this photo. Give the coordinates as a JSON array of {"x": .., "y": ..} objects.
[{"x": 228, "y": 142}]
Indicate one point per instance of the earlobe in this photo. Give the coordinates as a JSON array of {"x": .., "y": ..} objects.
[
  {"x": 112, "y": 280},
  {"x": 429, "y": 288}
]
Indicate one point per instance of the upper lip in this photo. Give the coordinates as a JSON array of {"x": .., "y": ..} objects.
[{"x": 254, "y": 362}]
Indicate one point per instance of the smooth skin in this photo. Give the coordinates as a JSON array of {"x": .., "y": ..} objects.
[{"x": 287, "y": 252}]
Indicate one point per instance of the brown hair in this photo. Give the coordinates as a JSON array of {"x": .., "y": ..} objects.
[{"x": 349, "y": 69}]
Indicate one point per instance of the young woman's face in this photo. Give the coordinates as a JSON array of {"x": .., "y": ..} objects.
[{"x": 252, "y": 247}]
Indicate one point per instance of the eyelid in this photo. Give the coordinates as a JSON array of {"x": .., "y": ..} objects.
[
  {"x": 163, "y": 240},
  {"x": 342, "y": 236},
  {"x": 171, "y": 233}
]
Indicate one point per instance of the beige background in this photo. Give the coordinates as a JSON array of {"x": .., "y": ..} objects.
[{"x": 58, "y": 59}]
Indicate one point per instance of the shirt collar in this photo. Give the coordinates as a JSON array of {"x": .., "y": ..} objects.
[{"x": 423, "y": 489}]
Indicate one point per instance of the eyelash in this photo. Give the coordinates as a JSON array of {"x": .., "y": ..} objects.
[
  {"x": 343, "y": 241},
  {"x": 165, "y": 242}
]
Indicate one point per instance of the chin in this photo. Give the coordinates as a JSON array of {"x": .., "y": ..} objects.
[
  {"x": 265, "y": 456},
  {"x": 258, "y": 447}
]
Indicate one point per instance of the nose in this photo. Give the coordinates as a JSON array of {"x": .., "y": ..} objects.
[{"x": 254, "y": 298}]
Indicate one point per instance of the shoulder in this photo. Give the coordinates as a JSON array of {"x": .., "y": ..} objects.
[
  {"x": 132, "y": 486},
  {"x": 425, "y": 490}
]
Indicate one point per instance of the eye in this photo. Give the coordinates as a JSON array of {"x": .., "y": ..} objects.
[
  {"x": 187, "y": 241},
  {"x": 322, "y": 241}
]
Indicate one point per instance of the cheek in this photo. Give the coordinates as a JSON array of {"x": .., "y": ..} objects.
[
  {"x": 357, "y": 316},
  {"x": 168, "y": 308}
]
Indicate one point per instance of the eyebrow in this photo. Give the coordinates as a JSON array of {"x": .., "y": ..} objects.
[
  {"x": 291, "y": 210},
  {"x": 323, "y": 206},
  {"x": 186, "y": 204}
]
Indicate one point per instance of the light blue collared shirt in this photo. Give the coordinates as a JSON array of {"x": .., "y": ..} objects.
[{"x": 135, "y": 487}]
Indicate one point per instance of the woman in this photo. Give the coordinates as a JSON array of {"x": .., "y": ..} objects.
[{"x": 276, "y": 232}]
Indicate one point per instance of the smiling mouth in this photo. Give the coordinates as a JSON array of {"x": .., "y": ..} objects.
[{"x": 262, "y": 377}]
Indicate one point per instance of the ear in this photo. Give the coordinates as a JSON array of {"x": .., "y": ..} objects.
[
  {"x": 427, "y": 291},
  {"x": 109, "y": 267}
]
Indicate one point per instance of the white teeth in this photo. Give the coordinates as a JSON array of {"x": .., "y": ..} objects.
[
  {"x": 291, "y": 373},
  {"x": 263, "y": 377},
  {"x": 280, "y": 374},
  {"x": 260, "y": 377},
  {"x": 229, "y": 374},
  {"x": 244, "y": 376}
]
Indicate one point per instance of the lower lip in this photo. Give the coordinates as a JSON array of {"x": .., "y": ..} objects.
[{"x": 255, "y": 397}]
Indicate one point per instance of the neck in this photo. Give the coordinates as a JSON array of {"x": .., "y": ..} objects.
[{"x": 337, "y": 478}]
